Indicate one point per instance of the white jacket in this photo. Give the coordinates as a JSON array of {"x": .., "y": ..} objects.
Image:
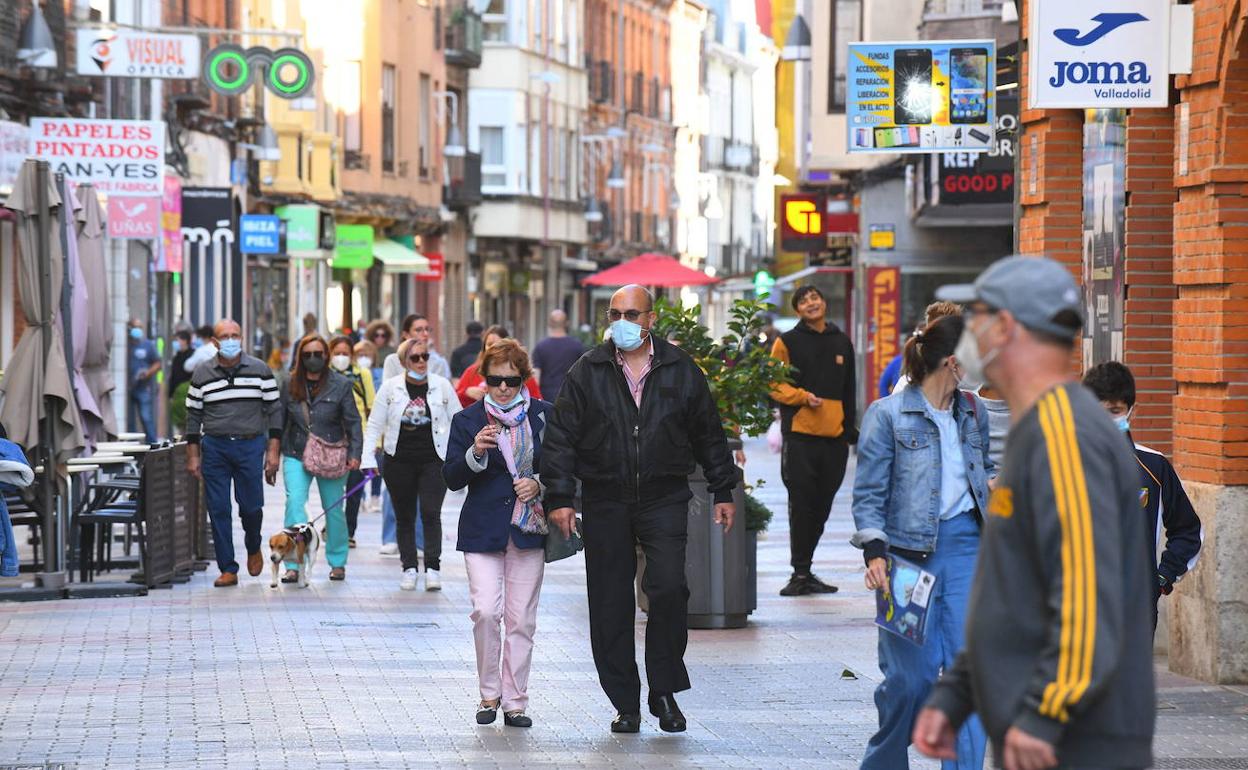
[{"x": 384, "y": 421}]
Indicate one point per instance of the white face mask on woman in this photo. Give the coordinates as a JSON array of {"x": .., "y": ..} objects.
[
  {"x": 972, "y": 363},
  {"x": 364, "y": 362},
  {"x": 340, "y": 362}
]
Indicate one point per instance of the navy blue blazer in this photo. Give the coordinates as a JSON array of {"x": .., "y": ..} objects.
[{"x": 485, "y": 520}]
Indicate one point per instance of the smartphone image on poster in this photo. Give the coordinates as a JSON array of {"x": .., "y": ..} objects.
[
  {"x": 883, "y": 137},
  {"x": 968, "y": 86},
  {"x": 912, "y": 86}
]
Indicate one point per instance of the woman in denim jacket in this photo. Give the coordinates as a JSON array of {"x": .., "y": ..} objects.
[{"x": 921, "y": 483}]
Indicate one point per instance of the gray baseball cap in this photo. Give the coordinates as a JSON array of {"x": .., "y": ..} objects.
[{"x": 1034, "y": 289}]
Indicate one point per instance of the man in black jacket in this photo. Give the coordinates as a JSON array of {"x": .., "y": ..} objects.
[{"x": 631, "y": 419}]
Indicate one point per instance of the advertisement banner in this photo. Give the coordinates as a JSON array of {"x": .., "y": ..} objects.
[
  {"x": 136, "y": 53},
  {"x": 214, "y": 269},
  {"x": 1104, "y": 53},
  {"x": 14, "y": 145},
  {"x": 883, "y": 323},
  {"x": 260, "y": 234},
  {"x": 120, "y": 157},
  {"x": 802, "y": 222},
  {"x": 1104, "y": 234},
  {"x": 436, "y": 263},
  {"x": 921, "y": 96},
  {"x": 171, "y": 226},
  {"x": 134, "y": 217},
  {"x": 982, "y": 177},
  {"x": 354, "y": 248}
]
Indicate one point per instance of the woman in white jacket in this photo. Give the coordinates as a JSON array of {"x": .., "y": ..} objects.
[{"x": 412, "y": 418}]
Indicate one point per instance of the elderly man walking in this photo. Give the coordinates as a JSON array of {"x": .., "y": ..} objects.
[
  {"x": 632, "y": 417},
  {"x": 234, "y": 421}
]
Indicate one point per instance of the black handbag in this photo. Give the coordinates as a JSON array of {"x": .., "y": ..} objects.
[{"x": 559, "y": 547}]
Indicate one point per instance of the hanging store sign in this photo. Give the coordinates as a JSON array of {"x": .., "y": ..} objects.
[
  {"x": 213, "y": 286},
  {"x": 354, "y": 248},
  {"x": 171, "y": 226},
  {"x": 883, "y": 321},
  {"x": 128, "y": 53},
  {"x": 302, "y": 228},
  {"x": 1099, "y": 53},
  {"x": 230, "y": 70},
  {"x": 120, "y": 157},
  {"x": 921, "y": 96},
  {"x": 436, "y": 266},
  {"x": 134, "y": 217},
  {"x": 802, "y": 222},
  {"x": 14, "y": 147},
  {"x": 260, "y": 234}
]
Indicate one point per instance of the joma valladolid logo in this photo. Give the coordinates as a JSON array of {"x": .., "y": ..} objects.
[{"x": 1096, "y": 72}]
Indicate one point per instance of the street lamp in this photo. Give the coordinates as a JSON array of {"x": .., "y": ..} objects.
[
  {"x": 593, "y": 213},
  {"x": 454, "y": 147},
  {"x": 797, "y": 50},
  {"x": 615, "y": 179},
  {"x": 35, "y": 47}
]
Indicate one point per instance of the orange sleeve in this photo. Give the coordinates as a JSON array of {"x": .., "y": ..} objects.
[{"x": 783, "y": 392}]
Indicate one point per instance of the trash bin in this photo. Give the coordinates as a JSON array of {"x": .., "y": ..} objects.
[{"x": 717, "y": 565}]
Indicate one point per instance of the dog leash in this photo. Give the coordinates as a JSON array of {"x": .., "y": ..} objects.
[{"x": 368, "y": 476}]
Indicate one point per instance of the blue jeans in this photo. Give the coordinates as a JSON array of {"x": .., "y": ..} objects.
[
  {"x": 298, "y": 483},
  {"x": 141, "y": 415},
  {"x": 241, "y": 462},
  {"x": 910, "y": 670},
  {"x": 389, "y": 529}
]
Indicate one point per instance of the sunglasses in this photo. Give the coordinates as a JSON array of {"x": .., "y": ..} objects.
[
  {"x": 631, "y": 315},
  {"x": 418, "y": 357},
  {"x": 311, "y": 354},
  {"x": 495, "y": 380}
]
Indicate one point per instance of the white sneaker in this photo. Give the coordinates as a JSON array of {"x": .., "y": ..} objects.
[
  {"x": 410, "y": 576},
  {"x": 389, "y": 549},
  {"x": 433, "y": 581}
]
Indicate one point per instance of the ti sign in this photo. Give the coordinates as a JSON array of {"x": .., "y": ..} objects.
[
  {"x": 802, "y": 222},
  {"x": 1100, "y": 53},
  {"x": 128, "y": 53},
  {"x": 260, "y": 234},
  {"x": 921, "y": 96},
  {"x": 120, "y": 157}
]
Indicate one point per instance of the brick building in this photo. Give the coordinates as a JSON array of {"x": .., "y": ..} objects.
[{"x": 1183, "y": 295}]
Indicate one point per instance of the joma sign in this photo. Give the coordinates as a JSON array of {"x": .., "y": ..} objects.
[{"x": 1100, "y": 53}]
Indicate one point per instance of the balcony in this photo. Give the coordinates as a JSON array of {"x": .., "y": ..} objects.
[
  {"x": 463, "y": 181},
  {"x": 462, "y": 39},
  {"x": 720, "y": 153}
]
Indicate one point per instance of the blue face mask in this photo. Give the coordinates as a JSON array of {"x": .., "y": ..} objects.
[
  {"x": 136, "y": 333},
  {"x": 231, "y": 348},
  {"x": 196, "y": 343},
  {"x": 415, "y": 377},
  {"x": 1123, "y": 422},
  {"x": 626, "y": 335},
  {"x": 177, "y": 346},
  {"x": 505, "y": 407}
]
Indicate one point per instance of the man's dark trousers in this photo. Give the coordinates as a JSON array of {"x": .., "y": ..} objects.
[
  {"x": 812, "y": 468},
  {"x": 240, "y": 460},
  {"x": 610, "y": 529}
]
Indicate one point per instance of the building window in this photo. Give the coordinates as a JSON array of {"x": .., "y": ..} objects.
[
  {"x": 494, "y": 21},
  {"x": 493, "y": 156},
  {"x": 389, "y": 117},
  {"x": 352, "y": 124},
  {"x": 423, "y": 108},
  {"x": 844, "y": 28}
]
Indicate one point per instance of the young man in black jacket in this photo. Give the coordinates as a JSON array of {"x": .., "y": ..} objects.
[
  {"x": 632, "y": 417},
  {"x": 818, "y": 417},
  {"x": 1058, "y": 661}
]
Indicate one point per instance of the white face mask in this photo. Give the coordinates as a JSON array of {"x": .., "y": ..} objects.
[
  {"x": 972, "y": 363},
  {"x": 364, "y": 362},
  {"x": 340, "y": 362}
]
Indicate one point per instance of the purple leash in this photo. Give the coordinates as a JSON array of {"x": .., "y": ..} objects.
[{"x": 368, "y": 476}]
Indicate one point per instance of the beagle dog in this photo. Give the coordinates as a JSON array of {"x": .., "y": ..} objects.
[{"x": 298, "y": 544}]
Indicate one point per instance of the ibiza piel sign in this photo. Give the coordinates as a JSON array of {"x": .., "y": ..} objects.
[{"x": 1100, "y": 53}]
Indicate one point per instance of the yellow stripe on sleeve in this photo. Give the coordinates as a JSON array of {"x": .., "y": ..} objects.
[
  {"x": 1052, "y": 692},
  {"x": 1085, "y": 552}
]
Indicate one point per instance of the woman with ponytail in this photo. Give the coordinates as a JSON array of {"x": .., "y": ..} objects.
[{"x": 920, "y": 491}]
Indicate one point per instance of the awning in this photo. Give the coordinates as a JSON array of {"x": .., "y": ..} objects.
[{"x": 398, "y": 258}]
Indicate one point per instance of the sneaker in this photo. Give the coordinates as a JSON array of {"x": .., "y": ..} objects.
[
  {"x": 433, "y": 581},
  {"x": 798, "y": 585},
  {"x": 817, "y": 586},
  {"x": 410, "y": 576},
  {"x": 350, "y": 542},
  {"x": 389, "y": 549}
]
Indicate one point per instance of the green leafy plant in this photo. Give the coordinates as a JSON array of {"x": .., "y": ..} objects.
[
  {"x": 757, "y": 515},
  {"x": 738, "y": 367}
]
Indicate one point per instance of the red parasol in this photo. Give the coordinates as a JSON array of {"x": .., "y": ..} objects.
[{"x": 657, "y": 270}]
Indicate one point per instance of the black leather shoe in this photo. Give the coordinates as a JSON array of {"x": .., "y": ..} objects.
[
  {"x": 626, "y": 723},
  {"x": 670, "y": 719},
  {"x": 517, "y": 719},
  {"x": 487, "y": 713},
  {"x": 817, "y": 586},
  {"x": 798, "y": 585}
]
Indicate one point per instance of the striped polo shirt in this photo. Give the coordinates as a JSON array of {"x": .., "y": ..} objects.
[{"x": 242, "y": 400}]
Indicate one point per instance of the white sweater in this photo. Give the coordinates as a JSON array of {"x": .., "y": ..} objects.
[{"x": 386, "y": 417}]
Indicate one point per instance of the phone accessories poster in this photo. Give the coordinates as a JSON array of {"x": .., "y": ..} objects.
[
  {"x": 922, "y": 96},
  {"x": 901, "y": 605}
]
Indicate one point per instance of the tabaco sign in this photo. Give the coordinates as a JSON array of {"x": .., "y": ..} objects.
[
  {"x": 120, "y": 157},
  {"x": 137, "y": 54},
  {"x": 883, "y": 321}
]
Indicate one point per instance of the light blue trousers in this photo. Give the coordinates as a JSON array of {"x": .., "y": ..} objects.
[{"x": 298, "y": 483}]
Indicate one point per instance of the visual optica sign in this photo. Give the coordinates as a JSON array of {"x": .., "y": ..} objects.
[
  {"x": 230, "y": 70},
  {"x": 921, "y": 96},
  {"x": 131, "y": 53},
  {"x": 1099, "y": 53},
  {"x": 120, "y": 157}
]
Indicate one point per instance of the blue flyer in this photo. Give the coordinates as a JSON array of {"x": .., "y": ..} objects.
[{"x": 901, "y": 605}]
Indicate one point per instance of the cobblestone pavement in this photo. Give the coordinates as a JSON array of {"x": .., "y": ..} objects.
[{"x": 361, "y": 675}]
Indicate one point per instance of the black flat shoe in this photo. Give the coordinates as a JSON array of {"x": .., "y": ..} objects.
[
  {"x": 817, "y": 586},
  {"x": 517, "y": 719},
  {"x": 626, "y": 723},
  {"x": 798, "y": 585},
  {"x": 487, "y": 714},
  {"x": 291, "y": 576},
  {"x": 668, "y": 713}
]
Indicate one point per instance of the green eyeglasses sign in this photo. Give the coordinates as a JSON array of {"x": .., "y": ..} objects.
[{"x": 287, "y": 72}]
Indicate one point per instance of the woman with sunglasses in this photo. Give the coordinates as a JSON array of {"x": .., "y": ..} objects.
[
  {"x": 381, "y": 334},
  {"x": 319, "y": 402},
  {"x": 412, "y": 418},
  {"x": 471, "y": 385},
  {"x": 495, "y": 450}
]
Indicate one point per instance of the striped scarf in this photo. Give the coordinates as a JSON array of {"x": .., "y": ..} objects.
[{"x": 515, "y": 442}]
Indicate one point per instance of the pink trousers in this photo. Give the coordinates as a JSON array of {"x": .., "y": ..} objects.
[{"x": 504, "y": 588}]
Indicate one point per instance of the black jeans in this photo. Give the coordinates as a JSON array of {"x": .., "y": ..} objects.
[
  {"x": 611, "y": 530},
  {"x": 407, "y": 483},
  {"x": 353, "y": 502},
  {"x": 812, "y": 468}
]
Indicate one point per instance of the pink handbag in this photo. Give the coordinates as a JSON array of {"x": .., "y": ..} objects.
[{"x": 323, "y": 459}]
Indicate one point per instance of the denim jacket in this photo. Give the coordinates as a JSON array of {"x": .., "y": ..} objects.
[{"x": 897, "y": 483}]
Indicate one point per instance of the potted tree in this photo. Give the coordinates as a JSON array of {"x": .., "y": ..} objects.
[{"x": 740, "y": 372}]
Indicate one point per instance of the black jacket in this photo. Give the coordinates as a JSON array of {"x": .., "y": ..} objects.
[
  {"x": 598, "y": 435},
  {"x": 823, "y": 365}
]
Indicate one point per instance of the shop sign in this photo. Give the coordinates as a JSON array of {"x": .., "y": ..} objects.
[
  {"x": 436, "y": 263},
  {"x": 120, "y": 157},
  {"x": 921, "y": 96},
  {"x": 213, "y": 268},
  {"x": 260, "y": 234},
  {"x": 1099, "y": 53},
  {"x": 171, "y": 226},
  {"x": 14, "y": 145},
  {"x": 882, "y": 237},
  {"x": 134, "y": 217},
  {"x": 302, "y": 227},
  {"x": 883, "y": 321},
  {"x": 354, "y": 248},
  {"x": 230, "y": 70},
  {"x": 988, "y": 177},
  {"x": 802, "y": 222},
  {"x": 128, "y": 53}
]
